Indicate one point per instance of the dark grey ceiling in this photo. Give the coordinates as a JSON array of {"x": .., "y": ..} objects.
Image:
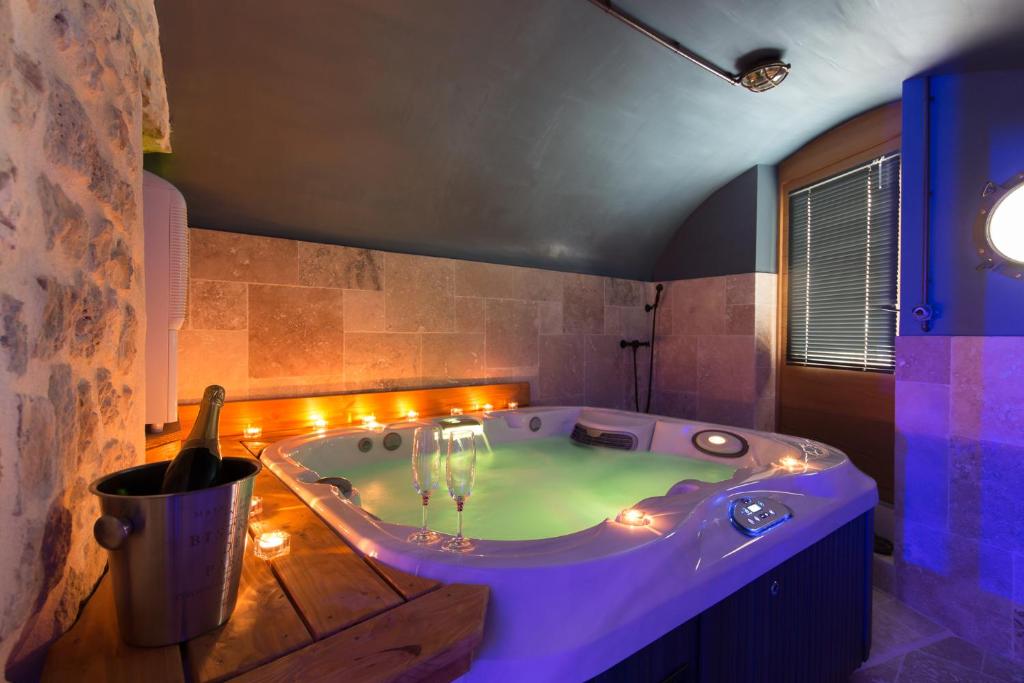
[{"x": 532, "y": 132}]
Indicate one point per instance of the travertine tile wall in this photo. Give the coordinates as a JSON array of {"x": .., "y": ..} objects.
[
  {"x": 715, "y": 353},
  {"x": 959, "y": 481},
  {"x": 275, "y": 317},
  {"x": 81, "y": 94}
]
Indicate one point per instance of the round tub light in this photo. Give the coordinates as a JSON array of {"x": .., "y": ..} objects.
[
  {"x": 999, "y": 228},
  {"x": 721, "y": 443},
  {"x": 633, "y": 517}
]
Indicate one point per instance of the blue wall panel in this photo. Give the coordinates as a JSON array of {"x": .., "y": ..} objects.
[{"x": 975, "y": 134}]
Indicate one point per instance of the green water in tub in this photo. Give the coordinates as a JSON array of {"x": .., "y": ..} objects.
[{"x": 530, "y": 489}]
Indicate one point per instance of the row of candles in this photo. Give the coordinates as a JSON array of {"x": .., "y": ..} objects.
[
  {"x": 273, "y": 544},
  {"x": 319, "y": 424}
]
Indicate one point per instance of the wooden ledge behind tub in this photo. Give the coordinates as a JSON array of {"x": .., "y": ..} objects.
[
  {"x": 322, "y": 613},
  {"x": 344, "y": 410}
]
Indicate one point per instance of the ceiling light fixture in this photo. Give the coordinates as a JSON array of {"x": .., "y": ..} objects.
[
  {"x": 999, "y": 228},
  {"x": 759, "y": 77}
]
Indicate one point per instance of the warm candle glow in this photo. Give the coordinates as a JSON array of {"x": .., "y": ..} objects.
[
  {"x": 512, "y": 405},
  {"x": 488, "y": 408},
  {"x": 271, "y": 544},
  {"x": 412, "y": 415},
  {"x": 633, "y": 517},
  {"x": 252, "y": 432},
  {"x": 319, "y": 423},
  {"x": 255, "y": 507},
  {"x": 792, "y": 464},
  {"x": 370, "y": 422},
  {"x": 456, "y": 411}
]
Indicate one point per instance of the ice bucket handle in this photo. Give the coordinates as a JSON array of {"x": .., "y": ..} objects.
[{"x": 111, "y": 532}]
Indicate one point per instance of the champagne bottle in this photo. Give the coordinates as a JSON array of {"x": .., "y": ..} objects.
[{"x": 198, "y": 462}]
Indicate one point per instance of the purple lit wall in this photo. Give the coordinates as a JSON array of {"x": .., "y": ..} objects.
[{"x": 960, "y": 386}]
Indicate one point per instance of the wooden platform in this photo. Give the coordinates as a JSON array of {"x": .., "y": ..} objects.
[
  {"x": 323, "y": 612},
  {"x": 295, "y": 415}
]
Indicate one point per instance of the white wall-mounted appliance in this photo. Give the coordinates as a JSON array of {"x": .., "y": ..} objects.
[{"x": 166, "y": 266}]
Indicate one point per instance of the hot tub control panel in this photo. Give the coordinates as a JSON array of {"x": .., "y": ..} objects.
[{"x": 754, "y": 516}]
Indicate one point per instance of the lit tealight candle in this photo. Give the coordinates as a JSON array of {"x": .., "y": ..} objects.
[
  {"x": 412, "y": 415},
  {"x": 255, "y": 507},
  {"x": 512, "y": 405},
  {"x": 319, "y": 423},
  {"x": 792, "y": 464},
  {"x": 456, "y": 411},
  {"x": 633, "y": 517},
  {"x": 370, "y": 422},
  {"x": 488, "y": 408},
  {"x": 252, "y": 432},
  {"x": 271, "y": 544}
]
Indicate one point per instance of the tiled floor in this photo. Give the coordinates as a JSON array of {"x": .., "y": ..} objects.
[{"x": 907, "y": 647}]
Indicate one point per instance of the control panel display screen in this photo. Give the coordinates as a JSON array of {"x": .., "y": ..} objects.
[{"x": 755, "y": 516}]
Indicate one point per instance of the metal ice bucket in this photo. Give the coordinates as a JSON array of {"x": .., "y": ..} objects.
[{"x": 175, "y": 559}]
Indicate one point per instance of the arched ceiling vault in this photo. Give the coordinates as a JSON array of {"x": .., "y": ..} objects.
[{"x": 533, "y": 132}]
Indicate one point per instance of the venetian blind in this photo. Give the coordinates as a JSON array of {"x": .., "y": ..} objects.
[{"x": 843, "y": 260}]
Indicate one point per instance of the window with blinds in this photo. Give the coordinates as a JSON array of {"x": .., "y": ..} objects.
[{"x": 843, "y": 259}]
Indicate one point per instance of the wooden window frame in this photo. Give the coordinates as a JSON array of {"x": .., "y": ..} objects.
[{"x": 855, "y": 142}]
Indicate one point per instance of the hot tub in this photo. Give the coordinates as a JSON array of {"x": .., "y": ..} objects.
[{"x": 740, "y": 547}]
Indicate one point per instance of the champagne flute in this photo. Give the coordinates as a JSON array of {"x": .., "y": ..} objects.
[
  {"x": 426, "y": 475},
  {"x": 459, "y": 472}
]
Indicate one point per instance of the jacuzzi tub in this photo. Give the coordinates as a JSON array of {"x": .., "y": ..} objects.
[{"x": 570, "y": 607}]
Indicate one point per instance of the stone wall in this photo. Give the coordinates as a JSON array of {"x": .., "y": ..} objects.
[
  {"x": 959, "y": 477},
  {"x": 716, "y": 348},
  {"x": 81, "y": 95},
  {"x": 274, "y": 317}
]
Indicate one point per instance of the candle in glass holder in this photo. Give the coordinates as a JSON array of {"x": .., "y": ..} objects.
[
  {"x": 412, "y": 415},
  {"x": 271, "y": 544},
  {"x": 252, "y": 432},
  {"x": 512, "y": 405},
  {"x": 633, "y": 517},
  {"x": 255, "y": 507},
  {"x": 319, "y": 423},
  {"x": 488, "y": 408},
  {"x": 456, "y": 411},
  {"x": 791, "y": 464}
]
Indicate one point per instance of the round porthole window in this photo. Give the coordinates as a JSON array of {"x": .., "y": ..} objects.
[
  {"x": 721, "y": 443},
  {"x": 999, "y": 228}
]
